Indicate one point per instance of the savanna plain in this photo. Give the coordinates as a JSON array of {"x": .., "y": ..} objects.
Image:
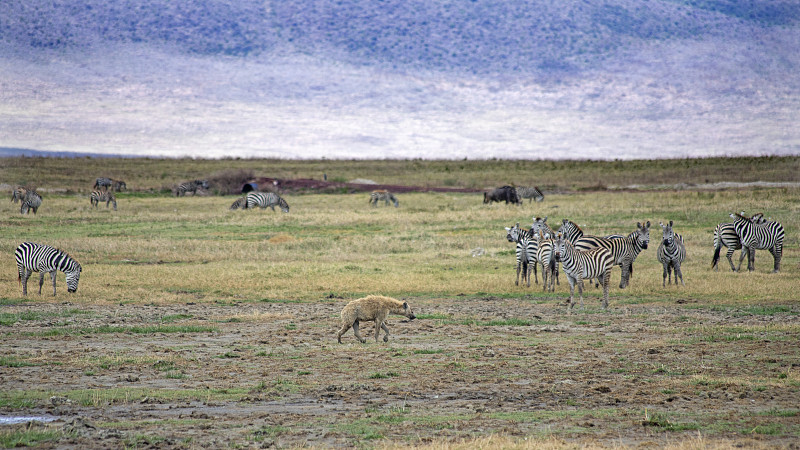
[{"x": 197, "y": 326}]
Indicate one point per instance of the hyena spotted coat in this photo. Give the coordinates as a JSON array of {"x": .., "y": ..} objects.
[{"x": 372, "y": 308}]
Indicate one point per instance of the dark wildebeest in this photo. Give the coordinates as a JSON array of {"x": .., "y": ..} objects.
[{"x": 505, "y": 193}]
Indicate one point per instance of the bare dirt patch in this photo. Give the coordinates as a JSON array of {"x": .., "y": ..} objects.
[{"x": 271, "y": 373}]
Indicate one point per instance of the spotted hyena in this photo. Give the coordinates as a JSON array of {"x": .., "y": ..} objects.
[{"x": 372, "y": 308}]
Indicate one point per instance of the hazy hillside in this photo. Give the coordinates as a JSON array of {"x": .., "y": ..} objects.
[{"x": 394, "y": 76}]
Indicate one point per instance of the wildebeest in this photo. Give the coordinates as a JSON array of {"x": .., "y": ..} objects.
[{"x": 504, "y": 193}]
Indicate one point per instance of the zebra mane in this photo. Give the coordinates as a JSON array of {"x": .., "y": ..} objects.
[{"x": 567, "y": 221}]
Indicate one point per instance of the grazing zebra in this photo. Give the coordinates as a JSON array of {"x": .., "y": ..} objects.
[
  {"x": 190, "y": 186},
  {"x": 624, "y": 248},
  {"x": 725, "y": 234},
  {"x": 759, "y": 236},
  {"x": 264, "y": 199},
  {"x": 103, "y": 196},
  {"x": 119, "y": 185},
  {"x": 526, "y": 253},
  {"x": 382, "y": 194},
  {"x": 240, "y": 202},
  {"x": 671, "y": 253},
  {"x": 583, "y": 264},
  {"x": 30, "y": 201},
  {"x": 531, "y": 193},
  {"x": 43, "y": 258}
]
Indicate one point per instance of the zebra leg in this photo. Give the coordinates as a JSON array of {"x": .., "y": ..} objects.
[
  {"x": 571, "y": 293},
  {"x": 358, "y": 335},
  {"x": 41, "y": 281},
  {"x": 532, "y": 266},
  {"x": 519, "y": 267},
  {"x": 678, "y": 273},
  {"x": 53, "y": 277},
  {"x": 580, "y": 290},
  {"x": 626, "y": 274},
  {"x": 751, "y": 260},
  {"x": 24, "y": 278},
  {"x": 606, "y": 281},
  {"x": 664, "y": 278},
  {"x": 344, "y": 329},
  {"x": 386, "y": 336},
  {"x": 776, "y": 256},
  {"x": 731, "y": 251}
]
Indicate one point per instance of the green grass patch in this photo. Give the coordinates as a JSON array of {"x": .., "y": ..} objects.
[
  {"x": 379, "y": 375},
  {"x": 28, "y": 438},
  {"x": 107, "y": 329}
]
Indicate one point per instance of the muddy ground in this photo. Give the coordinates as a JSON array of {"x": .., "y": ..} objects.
[{"x": 272, "y": 375}]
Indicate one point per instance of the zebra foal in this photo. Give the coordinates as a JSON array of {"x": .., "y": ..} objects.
[
  {"x": 103, "y": 196},
  {"x": 190, "y": 186},
  {"x": 382, "y": 194},
  {"x": 265, "y": 199},
  {"x": 42, "y": 258},
  {"x": 671, "y": 253},
  {"x": 583, "y": 264},
  {"x": 767, "y": 235}
]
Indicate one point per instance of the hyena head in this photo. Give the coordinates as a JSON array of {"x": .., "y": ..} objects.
[{"x": 408, "y": 312}]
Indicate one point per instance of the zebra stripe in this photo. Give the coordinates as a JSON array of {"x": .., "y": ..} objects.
[
  {"x": 767, "y": 235},
  {"x": 30, "y": 201},
  {"x": 531, "y": 193},
  {"x": 18, "y": 194},
  {"x": 386, "y": 196},
  {"x": 190, "y": 186},
  {"x": 671, "y": 253},
  {"x": 526, "y": 250},
  {"x": 545, "y": 257},
  {"x": 264, "y": 199},
  {"x": 583, "y": 264},
  {"x": 43, "y": 258},
  {"x": 102, "y": 182},
  {"x": 103, "y": 196}
]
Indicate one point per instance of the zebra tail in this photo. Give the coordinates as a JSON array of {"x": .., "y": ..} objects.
[{"x": 715, "y": 259}]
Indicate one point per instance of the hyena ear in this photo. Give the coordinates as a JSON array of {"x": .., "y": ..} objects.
[{"x": 405, "y": 305}]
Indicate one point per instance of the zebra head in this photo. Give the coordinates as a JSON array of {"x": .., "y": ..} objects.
[
  {"x": 559, "y": 246},
  {"x": 73, "y": 276},
  {"x": 642, "y": 234},
  {"x": 512, "y": 234},
  {"x": 540, "y": 224},
  {"x": 667, "y": 235},
  {"x": 394, "y": 200},
  {"x": 202, "y": 183}
]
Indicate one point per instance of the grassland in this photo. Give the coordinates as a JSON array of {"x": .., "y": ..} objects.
[{"x": 196, "y": 325}]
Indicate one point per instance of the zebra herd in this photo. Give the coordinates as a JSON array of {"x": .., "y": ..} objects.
[{"x": 586, "y": 257}]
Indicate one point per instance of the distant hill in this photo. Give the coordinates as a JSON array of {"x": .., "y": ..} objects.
[{"x": 475, "y": 36}]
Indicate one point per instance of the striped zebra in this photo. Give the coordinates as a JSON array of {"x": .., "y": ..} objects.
[
  {"x": 624, "y": 248},
  {"x": 103, "y": 196},
  {"x": 382, "y": 194},
  {"x": 264, "y": 199},
  {"x": 531, "y": 193},
  {"x": 768, "y": 235},
  {"x": 190, "y": 186},
  {"x": 725, "y": 235},
  {"x": 30, "y": 201},
  {"x": 544, "y": 255},
  {"x": 583, "y": 264},
  {"x": 526, "y": 250},
  {"x": 43, "y": 258},
  {"x": 240, "y": 202},
  {"x": 671, "y": 253},
  {"x": 540, "y": 226}
]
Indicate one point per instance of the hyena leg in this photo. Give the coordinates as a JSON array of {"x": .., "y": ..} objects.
[
  {"x": 386, "y": 336},
  {"x": 358, "y": 335},
  {"x": 344, "y": 329},
  {"x": 379, "y": 323}
]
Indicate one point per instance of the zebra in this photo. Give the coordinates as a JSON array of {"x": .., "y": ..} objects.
[
  {"x": 541, "y": 227},
  {"x": 264, "y": 199},
  {"x": 386, "y": 196},
  {"x": 240, "y": 202},
  {"x": 103, "y": 196},
  {"x": 190, "y": 186},
  {"x": 624, "y": 248},
  {"x": 531, "y": 193},
  {"x": 544, "y": 255},
  {"x": 768, "y": 235},
  {"x": 725, "y": 234},
  {"x": 119, "y": 185},
  {"x": 526, "y": 253},
  {"x": 102, "y": 182},
  {"x": 583, "y": 264},
  {"x": 41, "y": 258},
  {"x": 30, "y": 201},
  {"x": 671, "y": 253}
]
